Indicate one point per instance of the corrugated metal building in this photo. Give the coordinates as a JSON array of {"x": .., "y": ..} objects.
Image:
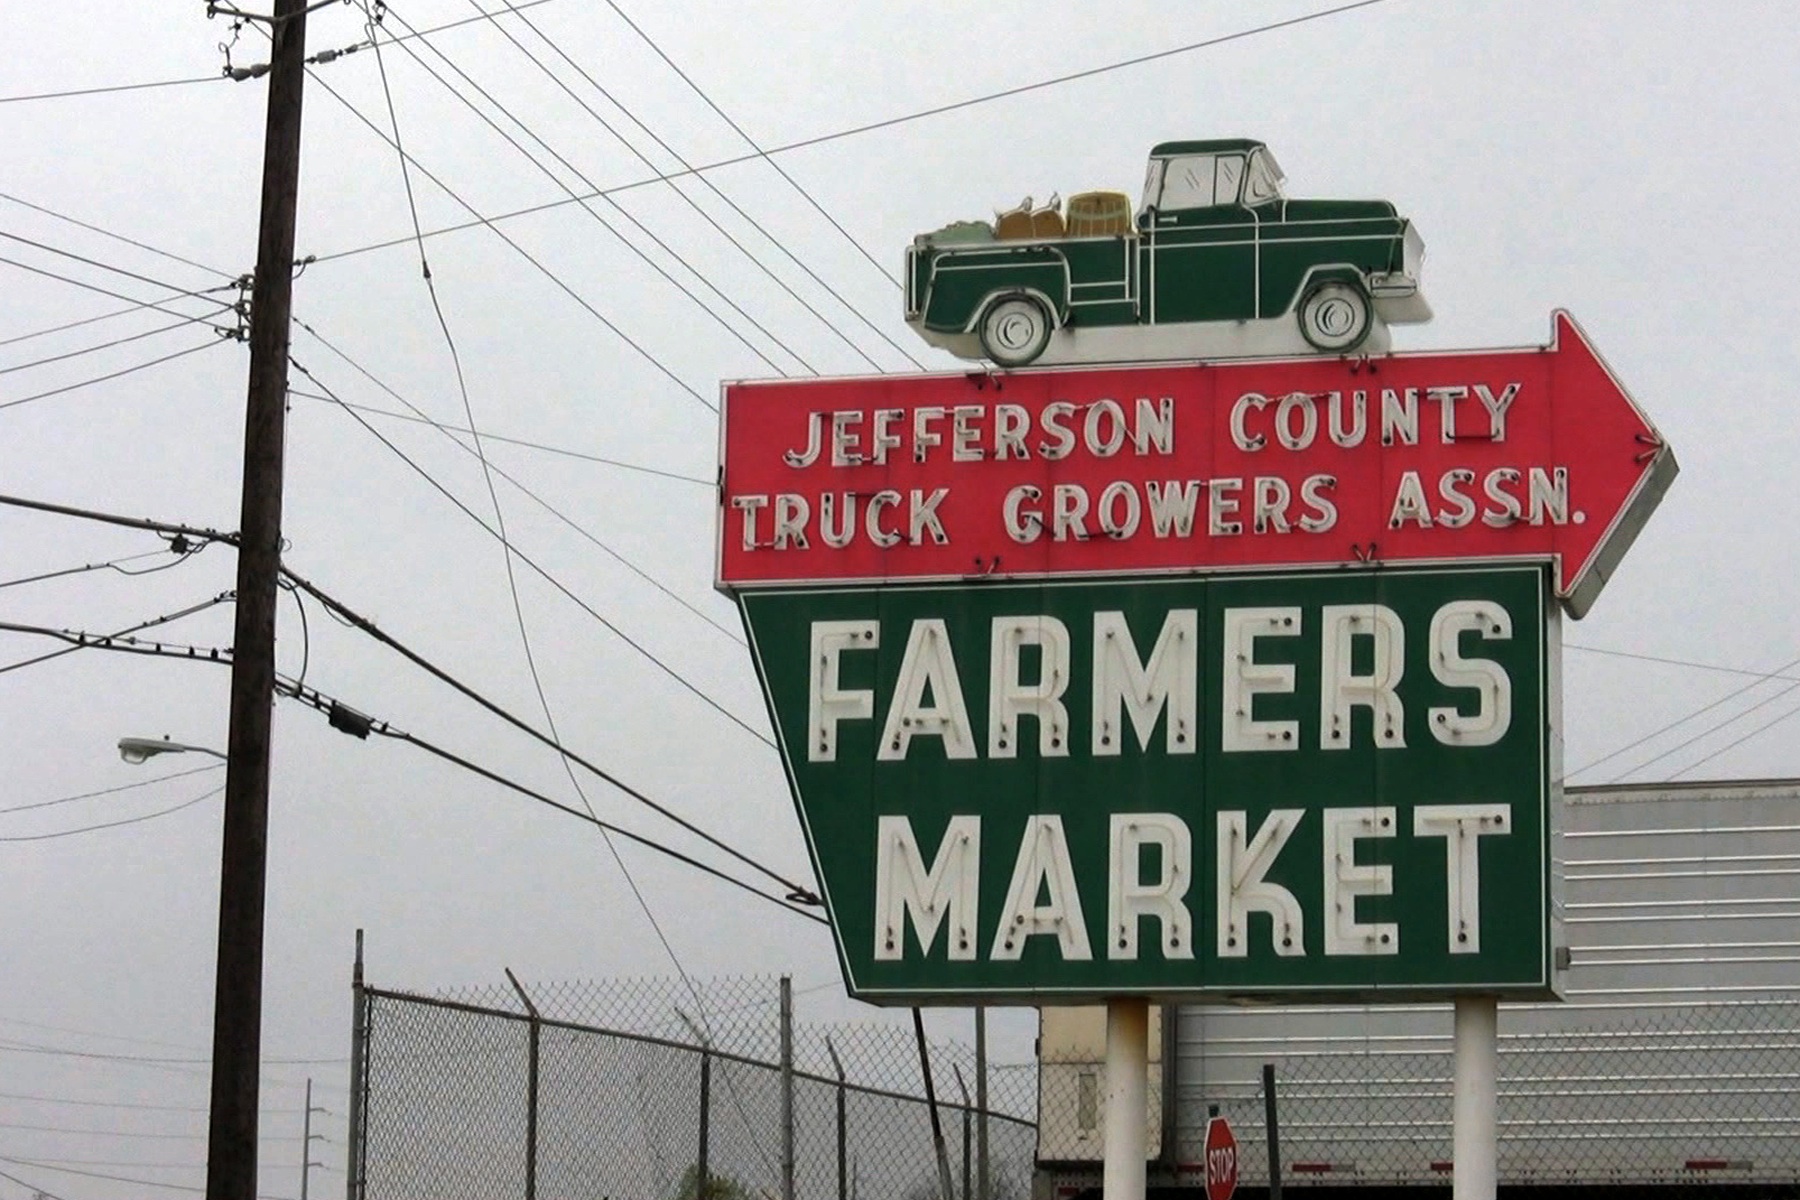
[{"x": 1675, "y": 1058}]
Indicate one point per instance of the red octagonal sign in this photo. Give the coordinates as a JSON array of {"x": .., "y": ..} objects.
[{"x": 1221, "y": 1160}]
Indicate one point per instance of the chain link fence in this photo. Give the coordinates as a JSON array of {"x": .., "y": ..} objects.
[{"x": 652, "y": 1090}]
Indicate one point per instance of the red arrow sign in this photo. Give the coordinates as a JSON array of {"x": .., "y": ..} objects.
[
  {"x": 1221, "y": 1159},
  {"x": 1521, "y": 454}
]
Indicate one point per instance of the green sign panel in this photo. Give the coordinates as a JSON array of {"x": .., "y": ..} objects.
[{"x": 1319, "y": 785}]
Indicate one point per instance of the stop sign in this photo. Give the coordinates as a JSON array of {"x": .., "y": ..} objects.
[{"x": 1221, "y": 1160}]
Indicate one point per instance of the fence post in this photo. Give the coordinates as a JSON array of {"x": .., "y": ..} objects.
[
  {"x": 945, "y": 1187},
  {"x": 354, "y": 1153},
  {"x": 964, "y": 1089},
  {"x": 787, "y": 1087},
  {"x": 843, "y": 1125},
  {"x": 531, "y": 1096},
  {"x": 983, "y": 1181},
  {"x": 1272, "y": 1131},
  {"x": 700, "y": 1167}
]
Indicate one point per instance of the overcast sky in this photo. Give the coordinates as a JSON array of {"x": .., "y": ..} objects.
[{"x": 1632, "y": 162}]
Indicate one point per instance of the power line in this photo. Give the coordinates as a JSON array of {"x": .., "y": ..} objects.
[
  {"x": 481, "y": 220},
  {"x": 1708, "y": 732},
  {"x": 368, "y": 627},
  {"x": 545, "y": 575},
  {"x": 511, "y": 580},
  {"x": 539, "y": 500},
  {"x": 617, "y": 207},
  {"x": 63, "y": 833},
  {"x": 739, "y": 130},
  {"x": 120, "y": 640},
  {"x": 131, "y": 370},
  {"x": 118, "y": 87},
  {"x": 110, "y": 564},
  {"x": 821, "y": 139},
  {"x": 91, "y": 262},
  {"x": 707, "y": 183},
  {"x": 105, "y": 518},
  {"x": 123, "y": 787},
  {"x": 44, "y": 1166},
  {"x": 95, "y": 349},
  {"x": 1675, "y": 662},
  {"x": 107, "y": 233},
  {"x": 1734, "y": 744},
  {"x": 1675, "y": 724},
  {"x": 337, "y": 710},
  {"x": 124, "y": 1104},
  {"x": 158, "y": 305},
  {"x": 491, "y": 436}
]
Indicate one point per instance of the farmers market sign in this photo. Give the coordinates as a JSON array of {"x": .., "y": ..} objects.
[{"x": 1334, "y": 784}]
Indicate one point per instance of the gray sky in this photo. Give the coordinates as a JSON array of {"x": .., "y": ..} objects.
[{"x": 1631, "y": 162}]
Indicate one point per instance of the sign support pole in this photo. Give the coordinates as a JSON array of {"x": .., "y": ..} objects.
[
  {"x": 1477, "y": 1090},
  {"x": 1127, "y": 1098}
]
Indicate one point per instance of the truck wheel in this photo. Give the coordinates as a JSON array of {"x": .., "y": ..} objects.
[
  {"x": 1334, "y": 316},
  {"x": 1014, "y": 331}
]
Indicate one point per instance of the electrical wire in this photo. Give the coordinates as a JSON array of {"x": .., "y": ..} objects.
[
  {"x": 119, "y": 87},
  {"x": 705, "y": 182},
  {"x": 1675, "y": 662},
  {"x": 543, "y": 574},
  {"x": 123, "y": 787},
  {"x": 604, "y": 826},
  {"x": 506, "y": 545},
  {"x": 1708, "y": 732},
  {"x": 751, "y": 142},
  {"x": 317, "y": 700},
  {"x": 112, "y": 564},
  {"x": 480, "y": 220},
  {"x": 91, "y": 262},
  {"x": 107, "y": 233},
  {"x": 63, "y": 833},
  {"x": 821, "y": 139},
  {"x": 95, "y": 349},
  {"x": 645, "y": 230},
  {"x": 44, "y": 1166},
  {"x": 158, "y": 305},
  {"x": 490, "y": 435},
  {"x": 183, "y": 1108},
  {"x": 358, "y": 621},
  {"x": 1676, "y": 724},
  {"x": 539, "y": 500},
  {"x": 131, "y": 370},
  {"x": 1734, "y": 744},
  {"x": 117, "y": 641}
]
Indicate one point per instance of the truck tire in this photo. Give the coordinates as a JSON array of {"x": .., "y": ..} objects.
[
  {"x": 1334, "y": 316},
  {"x": 1014, "y": 330}
]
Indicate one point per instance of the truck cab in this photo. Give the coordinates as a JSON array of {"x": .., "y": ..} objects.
[{"x": 1217, "y": 262}]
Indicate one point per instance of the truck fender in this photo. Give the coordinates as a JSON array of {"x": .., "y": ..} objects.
[
  {"x": 1338, "y": 272},
  {"x": 1058, "y": 315}
]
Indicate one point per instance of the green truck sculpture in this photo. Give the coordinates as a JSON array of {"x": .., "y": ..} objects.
[{"x": 1216, "y": 263}]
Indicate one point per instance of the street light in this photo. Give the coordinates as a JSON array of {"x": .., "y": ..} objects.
[{"x": 140, "y": 750}]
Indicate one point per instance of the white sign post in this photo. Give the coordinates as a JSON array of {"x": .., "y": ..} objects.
[
  {"x": 1476, "y": 1134},
  {"x": 1127, "y": 1098}
]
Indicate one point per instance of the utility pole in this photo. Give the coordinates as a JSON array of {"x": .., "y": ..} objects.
[
  {"x": 307, "y": 1138},
  {"x": 237, "y": 996}
]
